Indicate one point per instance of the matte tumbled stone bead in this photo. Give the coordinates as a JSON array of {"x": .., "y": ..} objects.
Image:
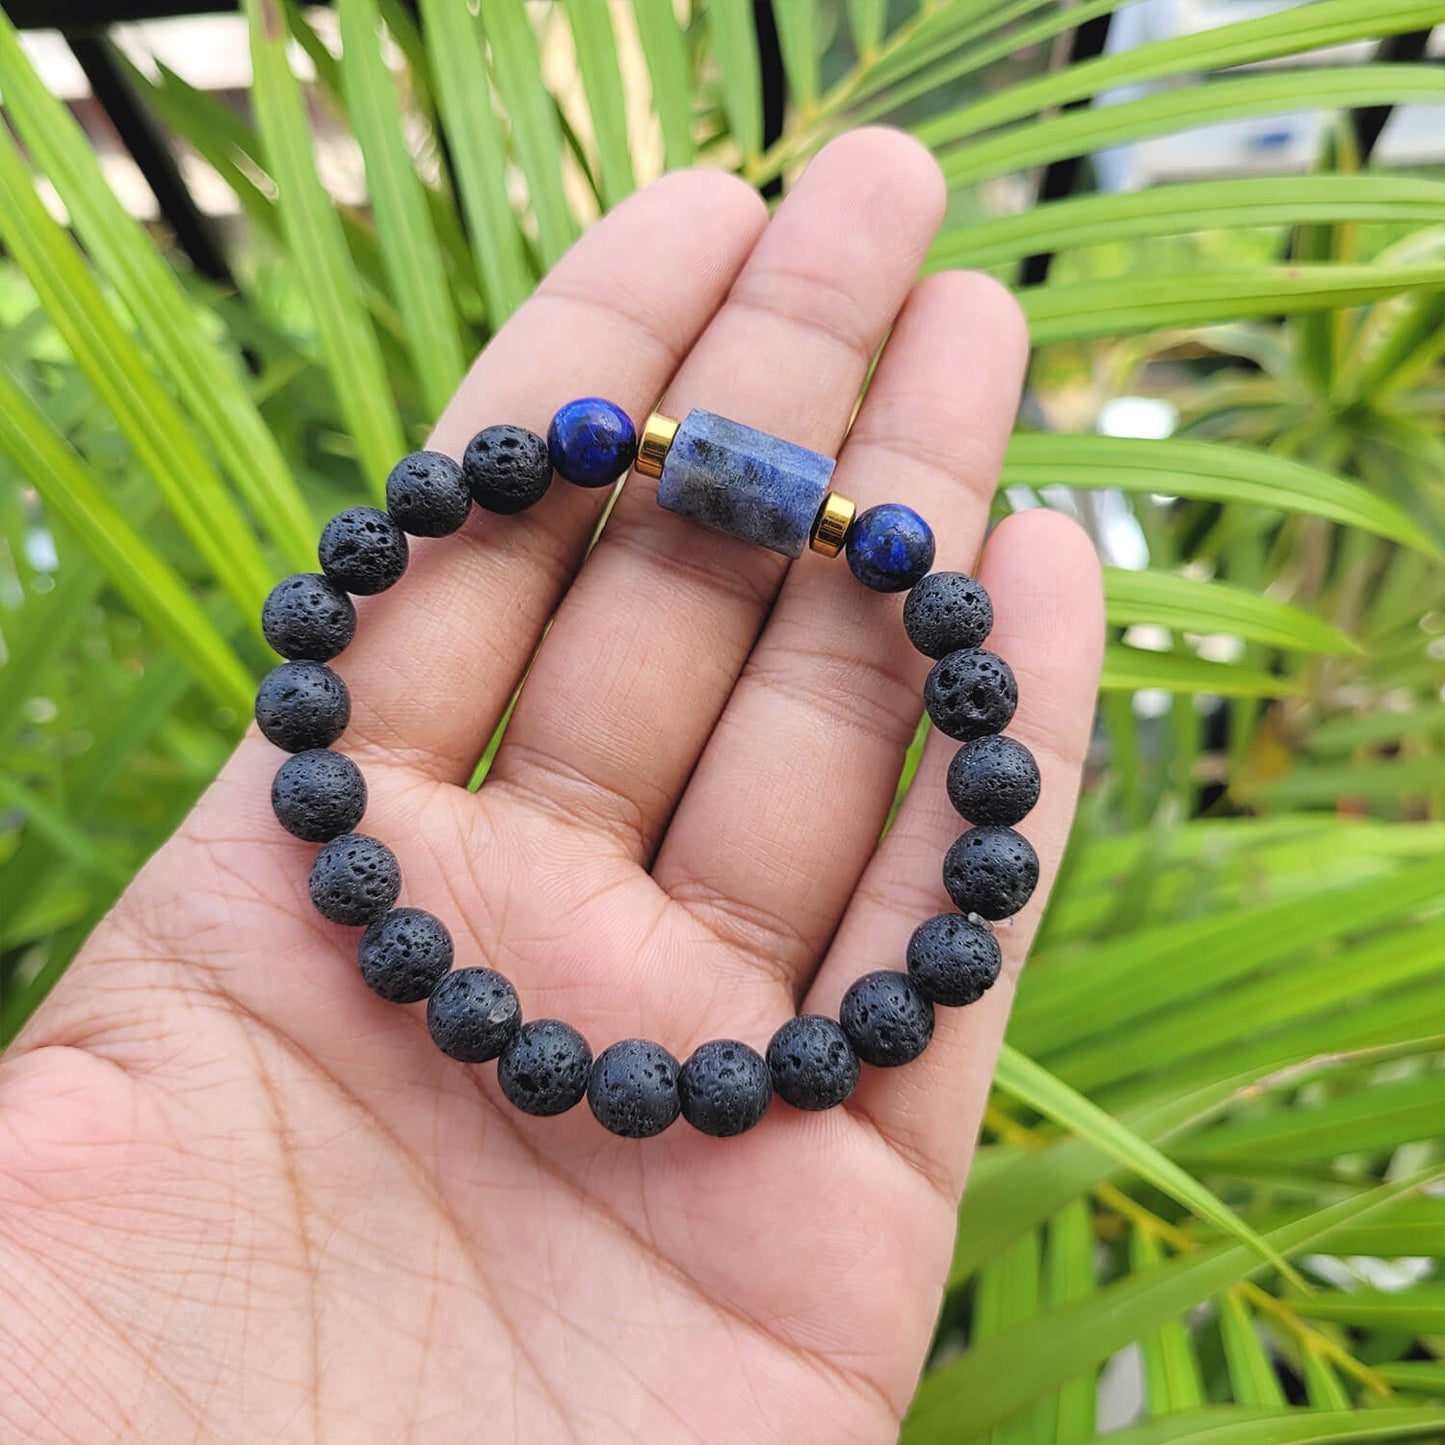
[
  {"x": 544, "y": 1070},
  {"x": 947, "y": 611},
  {"x": 633, "y": 1089},
  {"x": 405, "y": 954},
  {"x": 318, "y": 795},
  {"x": 990, "y": 871},
  {"x": 970, "y": 693},
  {"x": 742, "y": 481},
  {"x": 362, "y": 550},
  {"x": 953, "y": 959},
  {"x": 302, "y": 705},
  {"x": 427, "y": 495},
  {"x": 307, "y": 616},
  {"x": 993, "y": 780},
  {"x": 507, "y": 469},
  {"x": 724, "y": 1088},
  {"x": 812, "y": 1063},
  {"x": 887, "y": 1018},
  {"x": 592, "y": 442},
  {"x": 473, "y": 1014},
  {"x": 355, "y": 879},
  {"x": 889, "y": 547}
]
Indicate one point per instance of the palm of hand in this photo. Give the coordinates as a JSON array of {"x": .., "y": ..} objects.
[{"x": 244, "y": 1199}]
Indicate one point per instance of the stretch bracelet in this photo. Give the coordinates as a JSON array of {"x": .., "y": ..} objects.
[{"x": 764, "y": 490}]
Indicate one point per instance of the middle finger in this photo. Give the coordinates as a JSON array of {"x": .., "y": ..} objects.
[{"x": 649, "y": 642}]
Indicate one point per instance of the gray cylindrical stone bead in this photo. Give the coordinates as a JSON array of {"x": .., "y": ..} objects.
[{"x": 742, "y": 481}]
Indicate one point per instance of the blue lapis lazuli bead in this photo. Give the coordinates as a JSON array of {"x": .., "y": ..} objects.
[
  {"x": 592, "y": 442},
  {"x": 890, "y": 547},
  {"x": 744, "y": 482}
]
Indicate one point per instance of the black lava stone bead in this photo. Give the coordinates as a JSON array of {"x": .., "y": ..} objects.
[
  {"x": 355, "y": 879},
  {"x": 633, "y": 1089},
  {"x": 473, "y": 1014},
  {"x": 404, "y": 955},
  {"x": 993, "y": 780},
  {"x": 307, "y": 616},
  {"x": 318, "y": 795},
  {"x": 724, "y": 1088},
  {"x": 947, "y": 611},
  {"x": 970, "y": 693},
  {"x": 362, "y": 550},
  {"x": 544, "y": 1069},
  {"x": 427, "y": 495},
  {"x": 302, "y": 705},
  {"x": 991, "y": 871},
  {"x": 507, "y": 468},
  {"x": 953, "y": 960},
  {"x": 812, "y": 1063},
  {"x": 887, "y": 1018}
]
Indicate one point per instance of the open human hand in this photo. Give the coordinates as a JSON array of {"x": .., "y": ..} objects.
[{"x": 242, "y": 1198}]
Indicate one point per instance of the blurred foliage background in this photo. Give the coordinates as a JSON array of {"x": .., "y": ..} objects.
[{"x": 1227, "y": 1050}]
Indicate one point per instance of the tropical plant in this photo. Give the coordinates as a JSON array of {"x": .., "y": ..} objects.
[{"x": 1214, "y": 1136}]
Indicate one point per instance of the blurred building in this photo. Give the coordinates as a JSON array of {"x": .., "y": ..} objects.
[{"x": 1414, "y": 135}]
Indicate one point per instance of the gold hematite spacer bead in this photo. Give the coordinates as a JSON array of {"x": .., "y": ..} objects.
[
  {"x": 657, "y": 436},
  {"x": 830, "y": 530}
]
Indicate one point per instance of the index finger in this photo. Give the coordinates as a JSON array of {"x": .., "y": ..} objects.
[{"x": 437, "y": 658}]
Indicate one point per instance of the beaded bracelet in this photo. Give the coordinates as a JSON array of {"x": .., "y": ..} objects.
[{"x": 764, "y": 490}]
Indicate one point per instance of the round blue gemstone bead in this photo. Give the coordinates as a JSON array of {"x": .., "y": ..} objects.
[
  {"x": 592, "y": 442},
  {"x": 890, "y": 547}
]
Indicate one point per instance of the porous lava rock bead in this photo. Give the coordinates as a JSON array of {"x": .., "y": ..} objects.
[
  {"x": 507, "y": 469},
  {"x": 306, "y": 616},
  {"x": 724, "y": 1088},
  {"x": 318, "y": 795},
  {"x": 473, "y": 1014},
  {"x": 946, "y": 611},
  {"x": 355, "y": 879},
  {"x": 990, "y": 871},
  {"x": 544, "y": 1070},
  {"x": 993, "y": 780},
  {"x": 887, "y": 1017},
  {"x": 633, "y": 1089},
  {"x": 812, "y": 1063},
  {"x": 405, "y": 954},
  {"x": 954, "y": 960},
  {"x": 592, "y": 442},
  {"x": 970, "y": 693},
  {"x": 889, "y": 547},
  {"x": 362, "y": 550},
  {"x": 302, "y": 705},
  {"x": 427, "y": 496}
]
